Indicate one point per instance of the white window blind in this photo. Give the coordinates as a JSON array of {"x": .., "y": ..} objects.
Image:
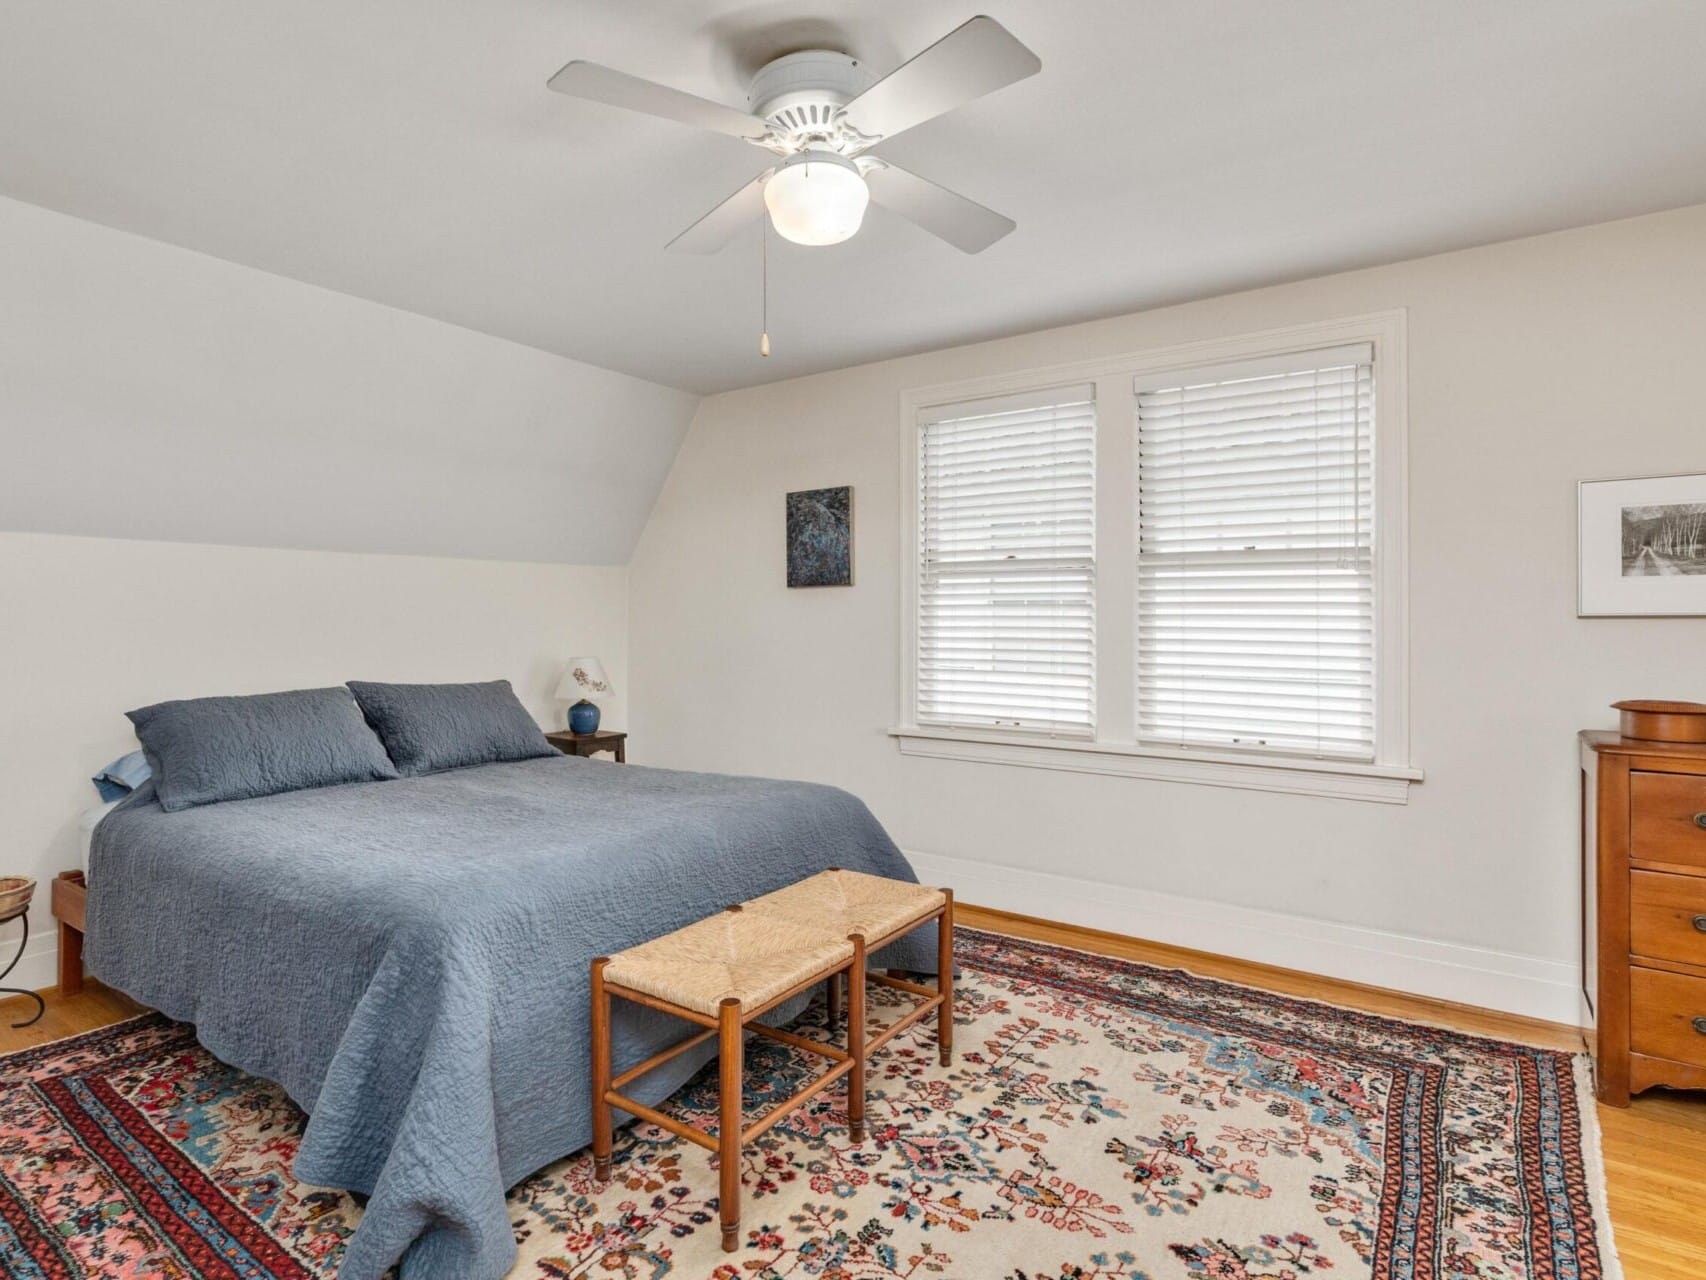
[
  {"x": 1007, "y": 563},
  {"x": 1256, "y": 612}
]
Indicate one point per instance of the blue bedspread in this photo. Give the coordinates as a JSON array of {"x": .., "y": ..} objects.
[{"x": 409, "y": 959}]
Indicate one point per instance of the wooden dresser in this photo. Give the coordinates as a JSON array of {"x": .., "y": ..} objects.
[{"x": 1644, "y": 912}]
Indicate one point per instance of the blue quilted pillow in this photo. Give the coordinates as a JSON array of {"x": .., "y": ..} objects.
[
  {"x": 204, "y": 750},
  {"x": 429, "y": 727}
]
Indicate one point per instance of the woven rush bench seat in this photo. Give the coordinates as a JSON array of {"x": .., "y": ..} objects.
[
  {"x": 727, "y": 970},
  {"x": 735, "y": 955},
  {"x": 848, "y": 902}
]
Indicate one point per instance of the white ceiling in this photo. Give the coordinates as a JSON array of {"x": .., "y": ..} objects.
[{"x": 409, "y": 153}]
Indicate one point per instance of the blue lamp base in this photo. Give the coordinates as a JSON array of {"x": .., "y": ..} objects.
[{"x": 583, "y": 717}]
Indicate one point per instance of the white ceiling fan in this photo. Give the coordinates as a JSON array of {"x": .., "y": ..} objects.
[{"x": 822, "y": 112}]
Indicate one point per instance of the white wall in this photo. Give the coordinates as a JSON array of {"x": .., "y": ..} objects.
[
  {"x": 150, "y": 392},
  {"x": 97, "y": 626},
  {"x": 1533, "y": 364}
]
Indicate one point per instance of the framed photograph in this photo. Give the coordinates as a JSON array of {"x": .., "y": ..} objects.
[
  {"x": 1641, "y": 547},
  {"x": 820, "y": 537}
]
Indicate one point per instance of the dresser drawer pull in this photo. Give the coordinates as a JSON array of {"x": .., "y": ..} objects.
[
  {"x": 1700, "y": 1026},
  {"x": 1700, "y": 924},
  {"x": 1700, "y": 821}
]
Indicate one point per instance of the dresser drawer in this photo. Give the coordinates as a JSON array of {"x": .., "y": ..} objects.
[
  {"x": 1667, "y": 819},
  {"x": 1667, "y": 916},
  {"x": 1668, "y": 1016}
]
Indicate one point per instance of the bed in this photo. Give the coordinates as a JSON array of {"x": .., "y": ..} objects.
[{"x": 409, "y": 959}]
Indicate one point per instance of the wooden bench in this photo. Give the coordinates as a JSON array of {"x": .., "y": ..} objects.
[
  {"x": 881, "y": 911},
  {"x": 724, "y": 972}
]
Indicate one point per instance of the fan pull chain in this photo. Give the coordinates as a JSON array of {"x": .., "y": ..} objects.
[{"x": 764, "y": 287}]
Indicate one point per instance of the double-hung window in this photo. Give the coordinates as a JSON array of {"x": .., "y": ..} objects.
[
  {"x": 1006, "y": 568},
  {"x": 1255, "y": 563},
  {"x": 1184, "y": 564}
]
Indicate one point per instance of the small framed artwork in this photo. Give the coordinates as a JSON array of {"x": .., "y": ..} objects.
[
  {"x": 820, "y": 537},
  {"x": 1641, "y": 546}
]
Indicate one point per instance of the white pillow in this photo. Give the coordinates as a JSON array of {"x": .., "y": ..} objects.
[{"x": 87, "y": 821}]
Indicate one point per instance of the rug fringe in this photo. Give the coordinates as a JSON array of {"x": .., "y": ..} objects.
[
  {"x": 64, "y": 1043},
  {"x": 1593, "y": 1170}
]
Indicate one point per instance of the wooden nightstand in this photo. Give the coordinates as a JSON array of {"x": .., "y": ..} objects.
[
  {"x": 70, "y": 908},
  {"x": 586, "y": 744}
]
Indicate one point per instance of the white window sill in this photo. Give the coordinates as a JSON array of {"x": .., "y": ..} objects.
[{"x": 1378, "y": 783}]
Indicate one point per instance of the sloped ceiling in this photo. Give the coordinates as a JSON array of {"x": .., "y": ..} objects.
[
  {"x": 411, "y": 154},
  {"x": 150, "y": 392}
]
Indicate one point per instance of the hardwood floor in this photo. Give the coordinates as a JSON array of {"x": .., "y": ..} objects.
[
  {"x": 1655, "y": 1151},
  {"x": 93, "y": 1006}
]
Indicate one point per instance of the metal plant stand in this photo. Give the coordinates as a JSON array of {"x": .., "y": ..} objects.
[{"x": 41, "y": 1006}]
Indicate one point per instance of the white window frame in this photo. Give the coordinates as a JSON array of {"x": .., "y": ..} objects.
[{"x": 1115, "y": 750}]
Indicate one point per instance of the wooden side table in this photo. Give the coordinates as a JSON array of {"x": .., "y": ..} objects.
[
  {"x": 586, "y": 744},
  {"x": 71, "y": 909}
]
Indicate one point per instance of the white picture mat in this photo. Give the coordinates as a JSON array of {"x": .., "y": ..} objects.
[{"x": 1602, "y": 590}]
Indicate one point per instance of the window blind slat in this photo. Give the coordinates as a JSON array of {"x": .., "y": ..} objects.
[
  {"x": 1007, "y": 570},
  {"x": 1255, "y": 574}
]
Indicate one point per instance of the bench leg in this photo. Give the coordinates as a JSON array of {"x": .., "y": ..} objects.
[
  {"x": 70, "y": 960},
  {"x": 728, "y": 1120},
  {"x": 833, "y": 999},
  {"x": 945, "y": 980},
  {"x": 856, "y": 1041},
  {"x": 601, "y": 1119}
]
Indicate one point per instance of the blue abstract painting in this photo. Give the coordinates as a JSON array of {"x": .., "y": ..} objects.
[{"x": 820, "y": 537}]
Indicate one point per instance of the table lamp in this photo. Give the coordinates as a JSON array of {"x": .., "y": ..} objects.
[{"x": 583, "y": 681}]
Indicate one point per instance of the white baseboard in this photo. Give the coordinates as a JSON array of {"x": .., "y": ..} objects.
[{"x": 1500, "y": 980}]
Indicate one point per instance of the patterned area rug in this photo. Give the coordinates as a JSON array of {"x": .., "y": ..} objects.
[{"x": 1102, "y": 1121}]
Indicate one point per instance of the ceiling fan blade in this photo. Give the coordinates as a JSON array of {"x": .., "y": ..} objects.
[
  {"x": 619, "y": 89},
  {"x": 977, "y": 57},
  {"x": 963, "y": 223},
  {"x": 743, "y": 209}
]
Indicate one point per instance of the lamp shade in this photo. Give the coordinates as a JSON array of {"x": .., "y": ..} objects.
[
  {"x": 584, "y": 679},
  {"x": 816, "y": 197}
]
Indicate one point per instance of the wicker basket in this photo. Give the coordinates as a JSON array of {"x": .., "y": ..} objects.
[
  {"x": 15, "y": 895},
  {"x": 1663, "y": 721}
]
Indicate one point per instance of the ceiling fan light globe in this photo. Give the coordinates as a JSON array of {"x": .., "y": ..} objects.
[{"x": 816, "y": 198}]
